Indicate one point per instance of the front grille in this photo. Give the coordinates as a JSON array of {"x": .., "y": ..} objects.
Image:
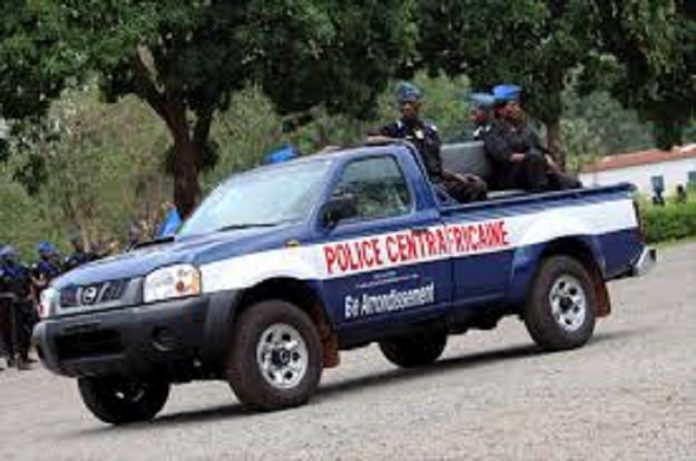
[
  {"x": 113, "y": 290},
  {"x": 94, "y": 294},
  {"x": 88, "y": 344}
]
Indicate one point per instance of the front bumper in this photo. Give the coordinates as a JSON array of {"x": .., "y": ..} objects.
[
  {"x": 645, "y": 262},
  {"x": 178, "y": 339}
]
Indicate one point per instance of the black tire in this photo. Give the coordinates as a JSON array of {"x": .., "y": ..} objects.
[
  {"x": 117, "y": 401},
  {"x": 556, "y": 320},
  {"x": 258, "y": 388},
  {"x": 416, "y": 350}
]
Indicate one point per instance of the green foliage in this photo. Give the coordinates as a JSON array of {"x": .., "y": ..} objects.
[
  {"x": 35, "y": 60},
  {"x": 672, "y": 222},
  {"x": 642, "y": 50},
  {"x": 596, "y": 125},
  {"x": 655, "y": 44},
  {"x": 103, "y": 166},
  {"x": 187, "y": 59}
]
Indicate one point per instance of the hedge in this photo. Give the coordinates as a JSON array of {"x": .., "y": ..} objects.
[{"x": 670, "y": 222}]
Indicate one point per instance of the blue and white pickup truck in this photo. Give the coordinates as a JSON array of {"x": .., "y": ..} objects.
[{"x": 282, "y": 267}]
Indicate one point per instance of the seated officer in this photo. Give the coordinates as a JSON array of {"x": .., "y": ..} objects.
[
  {"x": 520, "y": 160},
  {"x": 481, "y": 114},
  {"x": 424, "y": 136}
]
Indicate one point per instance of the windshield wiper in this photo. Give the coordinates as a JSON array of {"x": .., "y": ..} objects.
[
  {"x": 155, "y": 241},
  {"x": 248, "y": 226}
]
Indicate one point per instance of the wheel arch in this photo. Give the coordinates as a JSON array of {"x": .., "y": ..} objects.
[
  {"x": 585, "y": 250},
  {"x": 301, "y": 294}
]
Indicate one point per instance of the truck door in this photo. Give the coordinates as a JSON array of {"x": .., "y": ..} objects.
[
  {"x": 376, "y": 270},
  {"x": 481, "y": 254}
]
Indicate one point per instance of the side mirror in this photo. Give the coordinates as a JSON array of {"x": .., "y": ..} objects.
[{"x": 337, "y": 209}]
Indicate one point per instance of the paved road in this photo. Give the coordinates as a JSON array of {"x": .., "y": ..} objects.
[{"x": 630, "y": 394}]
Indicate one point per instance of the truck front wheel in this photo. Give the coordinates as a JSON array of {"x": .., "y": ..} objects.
[
  {"x": 117, "y": 401},
  {"x": 561, "y": 306},
  {"x": 414, "y": 351},
  {"x": 275, "y": 360}
]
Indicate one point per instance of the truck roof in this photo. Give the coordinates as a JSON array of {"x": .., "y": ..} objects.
[{"x": 339, "y": 153}]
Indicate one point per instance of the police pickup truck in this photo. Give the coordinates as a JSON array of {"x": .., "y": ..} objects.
[{"x": 282, "y": 267}]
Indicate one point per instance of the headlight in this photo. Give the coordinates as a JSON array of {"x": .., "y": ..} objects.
[
  {"x": 47, "y": 302},
  {"x": 172, "y": 282}
]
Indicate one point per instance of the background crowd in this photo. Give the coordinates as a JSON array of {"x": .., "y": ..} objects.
[{"x": 21, "y": 283}]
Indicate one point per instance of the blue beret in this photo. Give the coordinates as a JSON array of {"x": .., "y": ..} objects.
[
  {"x": 483, "y": 101},
  {"x": 8, "y": 252},
  {"x": 45, "y": 247},
  {"x": 506, "y": 92},
  {"x": 407, "y": 92},
  {"x": 285, "y": 153}
]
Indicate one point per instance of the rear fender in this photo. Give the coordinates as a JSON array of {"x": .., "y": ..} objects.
[{"x": 561, "y": 235}]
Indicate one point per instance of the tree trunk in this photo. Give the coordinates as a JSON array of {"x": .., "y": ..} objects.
[
  {"x": 187, "y": 191},
  {"x": 553, "y": 142}
]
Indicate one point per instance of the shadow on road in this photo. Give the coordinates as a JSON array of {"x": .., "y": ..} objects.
[
  {"x": 361, "y": 383},
  {"x": 455, "y": 364}
]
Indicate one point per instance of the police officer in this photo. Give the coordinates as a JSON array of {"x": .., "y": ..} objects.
[
  {"x": 17, "y": 316},
  {"x": 481, "y": 115},
  {"x": 424, "y": 136},
  {"x": 79, "y": 256},
  {"x": 520, "y": 160},
  {"x": 49, "y": 265},
  {"x": 134, "y": 237}
]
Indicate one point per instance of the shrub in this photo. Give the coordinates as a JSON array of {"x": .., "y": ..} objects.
[{"x": 671, "y": 222}]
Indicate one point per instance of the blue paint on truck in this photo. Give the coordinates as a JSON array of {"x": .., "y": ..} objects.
[{"x": 361, "y": 244}]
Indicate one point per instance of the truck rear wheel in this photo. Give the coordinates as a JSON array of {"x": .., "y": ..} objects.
[
  {"x": 561, "y": 307},
  {"x": 414, "y": 351},
  {"x": 117, "y": 401},
  {"x": 275, "y": 360}
]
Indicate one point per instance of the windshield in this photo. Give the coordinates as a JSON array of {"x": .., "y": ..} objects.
[{"x": 264, "y": 197}]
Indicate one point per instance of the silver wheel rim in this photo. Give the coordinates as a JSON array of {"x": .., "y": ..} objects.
[
  {"x": 568, "y": 303},
  {"x": 282, "y": 356}
]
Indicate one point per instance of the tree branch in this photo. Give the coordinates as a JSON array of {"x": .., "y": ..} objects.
[{"x": 145, "y": 83}]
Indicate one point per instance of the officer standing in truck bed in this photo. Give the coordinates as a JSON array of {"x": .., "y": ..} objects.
[{"x": 424, "y": 136}]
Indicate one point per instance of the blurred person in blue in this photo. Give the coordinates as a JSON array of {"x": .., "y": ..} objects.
[
  {"x": 285, "y": 153},
  {"x": 49, "y": 265},
  {"x": 171, "y": 223},
  {"x": 17, "y": 312}
]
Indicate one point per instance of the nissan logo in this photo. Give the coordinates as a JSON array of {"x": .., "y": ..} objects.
[{"x": 89, "y": 295}]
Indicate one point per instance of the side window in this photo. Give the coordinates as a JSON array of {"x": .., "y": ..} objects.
[{"x": 379, "y": 187}]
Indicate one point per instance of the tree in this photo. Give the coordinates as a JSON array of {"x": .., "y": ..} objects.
[
  {"x": 541, "y": 44},
  {"x": 187, "y": 58},
  {"x": 655, "y": 44},
  {"x": 34, "y": 60}
]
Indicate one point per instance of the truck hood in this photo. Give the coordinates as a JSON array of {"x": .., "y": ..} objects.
[{"x": 197, "y": 249}]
